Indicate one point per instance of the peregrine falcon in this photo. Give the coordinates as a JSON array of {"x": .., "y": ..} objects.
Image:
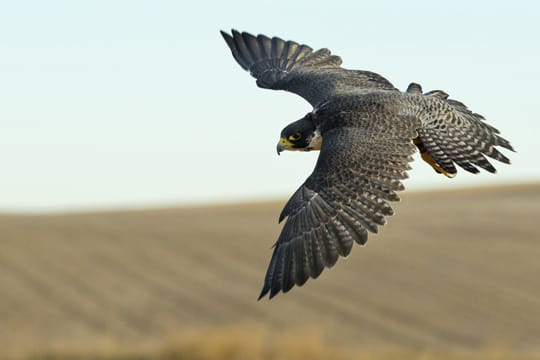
[{"x": 366, "y": 131}]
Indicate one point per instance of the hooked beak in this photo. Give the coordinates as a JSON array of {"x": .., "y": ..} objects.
[{"x": 283, "y": 144}]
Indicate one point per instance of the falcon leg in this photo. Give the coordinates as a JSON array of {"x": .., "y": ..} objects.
[{"x": 426, "y": 156}]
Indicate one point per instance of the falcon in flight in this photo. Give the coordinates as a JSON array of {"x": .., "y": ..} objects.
[{"x": 366, "y": 131}]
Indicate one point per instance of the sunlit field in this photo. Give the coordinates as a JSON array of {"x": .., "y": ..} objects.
[
  {"x": 453, "y": 275},
  {"x": 259, "y": 343}
]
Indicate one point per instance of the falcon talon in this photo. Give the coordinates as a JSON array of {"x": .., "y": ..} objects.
[{"x": 369, "y": 130}]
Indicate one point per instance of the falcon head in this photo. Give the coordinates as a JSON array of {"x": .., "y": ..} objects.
[{"x": 300, "y": 135}]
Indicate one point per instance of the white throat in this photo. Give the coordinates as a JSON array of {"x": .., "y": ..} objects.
[{"x": 316, "y": 141}]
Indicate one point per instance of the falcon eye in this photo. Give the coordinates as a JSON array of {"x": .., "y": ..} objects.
[{"x": 295, "y": 136}]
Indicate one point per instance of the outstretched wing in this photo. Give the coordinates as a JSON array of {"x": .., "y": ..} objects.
[
  {"x": 358, "y": 171},
  {"x": 453, "y": 134},
  {"x": 287, "y": 65}
]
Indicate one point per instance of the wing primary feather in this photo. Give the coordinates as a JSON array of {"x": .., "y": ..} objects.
[
  {"x": 300, "y": 53},
  {"x": 277, "y": 278},
  {"x": 243, "y": 52},
  {"x": 301, "y": 260},
  {"x": 306, "y": 239},
  {"x": 330, "y": 249},
  {"x": 268, "y": 279},
  {"x": 253, "y": 47},
  {"x": 290, "y": 48},
  {"x": 265, "y": 45},
  {"x": 234, "y": 50},
  {"x": 277, "y": 47},
  {"x": 318, "y": 251},
  {"x": 289, "y": 273}
]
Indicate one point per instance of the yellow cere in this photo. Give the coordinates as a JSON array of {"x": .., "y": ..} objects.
[{"x": 285, "y": 142}]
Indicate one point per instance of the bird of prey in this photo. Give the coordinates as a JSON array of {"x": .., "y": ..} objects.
[{"x": 366, "y": 131}]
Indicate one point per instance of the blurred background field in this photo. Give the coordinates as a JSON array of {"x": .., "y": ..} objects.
[
  {"x": 132, "y": 105},
  {"x": 455, "y": 274}
]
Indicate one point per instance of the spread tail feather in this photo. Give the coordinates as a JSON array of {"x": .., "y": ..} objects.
[{"x": 458, "y": 136}]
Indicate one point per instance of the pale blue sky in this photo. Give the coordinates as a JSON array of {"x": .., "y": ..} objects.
[{"x": 139, "y": 103}]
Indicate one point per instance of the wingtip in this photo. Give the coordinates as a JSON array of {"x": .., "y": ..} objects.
[
  {"x": 236, "y": 34},
  {"x": 263, "y": 293},
  {"x": 267, "y": 289},
  {"x": 272, "y": 294},
  {"x": 225, "y": 34}
]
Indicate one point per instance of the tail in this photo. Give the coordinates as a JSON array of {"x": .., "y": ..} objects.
[{"x": 457, "y": 137}]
